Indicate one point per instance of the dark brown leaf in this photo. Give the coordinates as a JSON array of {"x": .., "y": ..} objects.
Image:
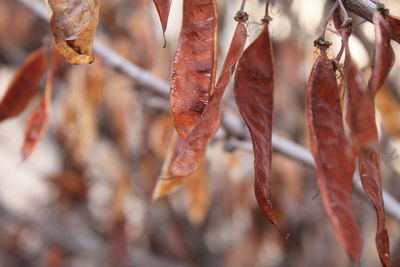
[
  {"x": 254, "y": 92},
  {"x": 25, "y": 84},
  {"x": 194, "y": 65},
  {"x": 371, "y": 180},
  {"x": 332, "y": 152}
]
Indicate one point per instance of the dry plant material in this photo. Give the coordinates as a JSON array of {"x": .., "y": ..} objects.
[
  {"x": 24, "y": 85},
  {"x": 193, "y": 150},
  {"x": 38, "y": 120},
  {"x": 361, "y": 119},
  {"x": 332, "y": 151},
  {"x": 163, "y": 7},
  {"x": 74, "y": 23},
  {"x": 194, "y": 65},
  {"x": 254, "y": 92},
  {"x": 360, "y": 114},
  {"x": 384, "y": 57},
  {"x": 389, "y": 109}
]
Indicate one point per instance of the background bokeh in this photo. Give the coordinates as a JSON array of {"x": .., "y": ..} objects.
[{"x": 83, "y": 197}]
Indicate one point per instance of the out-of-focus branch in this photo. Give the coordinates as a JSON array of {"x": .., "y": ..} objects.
[{"x": 363, "y": 8}]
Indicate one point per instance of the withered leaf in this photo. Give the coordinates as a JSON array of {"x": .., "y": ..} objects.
[
  {"x": 194, "y": 65},
  {"x": 24, "y": 85},
  {"x": 193, "y": 150},
  {"x": 383, "y": 54},
  {"x": 38, "y": 120},
  {"x": 369, "y": 168},
  {"x": 74, "y": 23},
  {"x": 389, "y": 110},
  {"x": 332, "y": 152},
  {"x": 360, "y": 114},
  {"x": 254, "y": 91},
  {"x": 163, "y": 7}
]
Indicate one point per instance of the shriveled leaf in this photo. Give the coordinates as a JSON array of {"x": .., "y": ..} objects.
[
  {"x": 193, "y": 150},
  {"x": 74, "y": 23},
  {"x": 25, "y": 84},
  {"x": 383, "y": 56},
  {"x": 389, "y": 109},
  {"x": 163, "y": 7},
  {"x": 360, "y": 108},
  {"x": 254, "y": 92},
  {"x": 394, "y": 23},
  {"x": 369, "y": 167},
  {"x": 38, "y": 120},
  {"x": 332, "y": 152},
  {"x": 194, "y": 65}
]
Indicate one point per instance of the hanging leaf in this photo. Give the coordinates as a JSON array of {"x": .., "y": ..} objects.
[
  {"x": 74, "y": 23},
  {"x": 193, "y": 150},
  {"x": 389, "y": 109},
  {"x": 38, "y": 120},
  {"x": 194, "y": 65},
  {"x": 369, "y": 168},
  {"x": 360, "y": 114},
  {"x": 332, "y": 152},
  {"x": 383, "y": 54},
  {"x": 163, "y": 7},
  {"x": 254, "y": 91},
  {"x": 24, "y": 85}
]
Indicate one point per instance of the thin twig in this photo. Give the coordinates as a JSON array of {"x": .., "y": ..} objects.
[{"x": 145, "y": 78}]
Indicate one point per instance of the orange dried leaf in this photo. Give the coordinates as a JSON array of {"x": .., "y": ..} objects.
[
  {"x": 254, "y": 92},
  {"x": 389, "y": 110},
  {"x": 193, "y": 150},
  {"x": 38, "y": 120},
  {"x": 74, "y": 23},
  {"x": 163, "y": 7},
  {"x": 25, "y": 84},
  {"x": 194, "y": 65},
  {"x": 332, "y": 152}
]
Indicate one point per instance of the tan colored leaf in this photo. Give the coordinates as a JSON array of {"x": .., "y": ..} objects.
[{"x": 74, "y": 23}]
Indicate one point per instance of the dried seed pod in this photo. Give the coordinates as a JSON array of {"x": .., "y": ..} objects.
[
  {"x": 194, "y": 65},
  {"x": 332, "y": 152},
  {"x": 254, "y": 92}
]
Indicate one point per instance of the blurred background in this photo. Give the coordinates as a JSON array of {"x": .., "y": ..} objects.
[{"x": 83, "y": 197}]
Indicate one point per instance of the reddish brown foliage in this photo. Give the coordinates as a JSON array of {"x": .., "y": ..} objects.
[
  {"x": 254, "y": 92},
  {"x": 332, "y": 153},
  {"x": 24, "y": 85},
  {"x": 194, "y": 65},
  {"x": 193, "y": 151}
]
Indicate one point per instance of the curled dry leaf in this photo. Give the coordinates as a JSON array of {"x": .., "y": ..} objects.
[
  {"x": 383, "y": 54},
  {"x": 194, "y": 65},
  {"x": 193, "y": 150},
  {"x": 74, "y": 23},
  {"x": 254, "y": 91},
  {"x": 332, "y": 152},
  {"x": 163, "y": 7},
  {"x": 360, "y": 107},
  {"x": 38, "y": 120},
  {"x": 369, "y": 168},
  {"x": 24, "y": 85}
]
